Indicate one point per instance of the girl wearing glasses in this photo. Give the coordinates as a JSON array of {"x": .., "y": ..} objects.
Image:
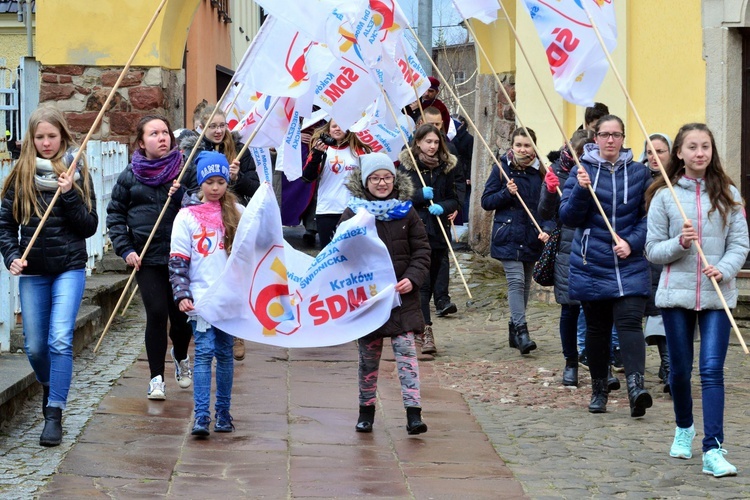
[
  {"x": 686, "y": 294},
  {"x": 384, "y": 193},
  {"x": 436, "y": 166},
  {"x": 334, "y": 155},
  {"x": 515, "y": 240},
  {"x": 610, "y": 276},
  {"x": 243, "y": 177}
]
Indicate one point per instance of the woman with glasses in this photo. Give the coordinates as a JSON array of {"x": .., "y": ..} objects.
[
  {"x": 435, "y": 165},
  {"x": 516, "y": 242},
  {"x": 610, "y": 275},
  {"x": 333, "y": 156}
]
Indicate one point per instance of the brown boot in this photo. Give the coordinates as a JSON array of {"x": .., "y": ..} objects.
[
  {"x": 428, "y": 346},
  {"x": 238, "y": 349}
]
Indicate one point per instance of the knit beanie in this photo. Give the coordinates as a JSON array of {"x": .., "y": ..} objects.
[
  {"x": 210, "y": 164},
  {"x": 373, "y": 162}
]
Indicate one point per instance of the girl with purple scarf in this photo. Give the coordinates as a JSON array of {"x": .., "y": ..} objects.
[{"x": 138, "y": 197}]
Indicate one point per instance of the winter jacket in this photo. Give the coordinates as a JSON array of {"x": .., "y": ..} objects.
[
  {"x": 406, "y": 241},
  {"x": 651, "y": 309},
  {"x": 596, "y": 273},
  {"x": 133, "y": 211},
  {"x": 514, "y": 236},
  {"x": 61, "y": 244},
  {"x": 549, "y": 207},
  {"x": 247, "y": 181},
  {"x": 682, "y": 284},
  {"x": 443, "y": 183},
  {"x": 464, "y": 143}
]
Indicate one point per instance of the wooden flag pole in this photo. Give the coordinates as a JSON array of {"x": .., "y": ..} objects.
[
  {"x": 132, "y": 296},
  {"x": 98, "y": 119},
  {"x": 558, "y": 122},
  {"x": 666, "y": 178},
  {"x": 419, "y": 174},
  {"x": 257, "y": 129},
  {"x": 507, "y": 98},
  {"x": 161, "y": 215},
  {"x": 478, "y": 133}
]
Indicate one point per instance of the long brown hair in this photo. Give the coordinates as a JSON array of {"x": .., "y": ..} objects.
[
  {"x": 230, "y": 148},
  {"x": 230, "y": 217},
  {"x": 21, "y": 177},
  {"x": 356, "y": 146},
  {"x": 442, "y": 152},
  {"x": 717, "y": 181}
]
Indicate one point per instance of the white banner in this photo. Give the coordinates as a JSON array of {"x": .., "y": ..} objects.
[
  {"x": 483, "y": 10},
  {"x": 273, "y": 294},
  {"x": 575, "y": 56},
  {"x": 263, "y": 165}
]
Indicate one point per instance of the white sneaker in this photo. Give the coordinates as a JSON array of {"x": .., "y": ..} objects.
[
  {"x": 182, "y": 372},
  {"x": 157, "y": 388}
]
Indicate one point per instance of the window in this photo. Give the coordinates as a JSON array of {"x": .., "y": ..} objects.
[{"x": 459, "y": 77}]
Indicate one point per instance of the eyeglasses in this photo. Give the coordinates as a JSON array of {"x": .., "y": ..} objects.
[
  {"x": 214, "y": 126},
  {"x": 378, "y": 180},
  {"x": 606, "y": 135},
  {"x": 658, "y": 152}
]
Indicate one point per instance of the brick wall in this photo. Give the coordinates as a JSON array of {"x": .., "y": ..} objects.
[{"x": 80, "y": 92}]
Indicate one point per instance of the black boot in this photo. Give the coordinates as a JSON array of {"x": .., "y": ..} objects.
[
  {"x": 525, "y": 344},
  {"x": 613, "y": 383},
  {"x": 570, "y": 373},
  {"x": 664, "y": 368},
  {"x": 366, "y": 418},
  {"x": 45, "y": 399},
  {"x": 599, "y": 396},
  {"x": 52, "y": 432},
  {"x": 639, "y": 397},
  {"x": 512, "y": 339},
  {"x": 414, "y": 424}
]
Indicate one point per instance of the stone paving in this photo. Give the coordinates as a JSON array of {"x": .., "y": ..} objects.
[{"x": 540, "y": 429}]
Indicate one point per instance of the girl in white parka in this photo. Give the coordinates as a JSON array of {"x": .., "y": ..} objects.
[{"x": 685, "y": 294}]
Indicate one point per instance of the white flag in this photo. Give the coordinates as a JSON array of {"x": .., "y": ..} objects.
[
  {"x": 483, "y": 10},
  {"x": 273, "y": 294},
  {"x": 575, "y": 56}
]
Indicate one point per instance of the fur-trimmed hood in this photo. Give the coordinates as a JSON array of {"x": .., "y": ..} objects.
[
  {"x": 405, "y": 158},
  {"x": 402, "y": 186}
]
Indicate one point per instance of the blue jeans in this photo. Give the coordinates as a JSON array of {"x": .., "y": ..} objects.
[
  {"x": 50, "y": 305},
  {"x": 212, "y": 342},
  {"x": 679, "y": 325}
]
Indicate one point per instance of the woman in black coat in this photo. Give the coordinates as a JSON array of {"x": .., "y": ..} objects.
[
  {"x": 139, "y": 195},
  {"x": 436, "y": 166}
]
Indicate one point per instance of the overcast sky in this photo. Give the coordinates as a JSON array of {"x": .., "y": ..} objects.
[{"x": 444, "y": 16}]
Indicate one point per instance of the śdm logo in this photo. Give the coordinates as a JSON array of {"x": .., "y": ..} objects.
[
  {"x": 295, "y": 63},
  {"x": 205, "y": 246},
  {"x": 276, "y": 310}
]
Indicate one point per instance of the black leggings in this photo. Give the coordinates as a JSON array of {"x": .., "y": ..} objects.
[
  {"x": 326, "y": 227},
  {"x": 156, "y": 292}
]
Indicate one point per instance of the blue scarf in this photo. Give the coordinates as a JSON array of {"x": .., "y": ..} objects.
[{"x": 392, "y": 209}]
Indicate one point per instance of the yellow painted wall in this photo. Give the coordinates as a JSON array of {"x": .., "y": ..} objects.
[
  {"x": 13, "y": 49},
  {"x": 661, "y": 66},
  {"x": 497, "y": 41},
  {"x": 667, "y": 79},
  {"x": 104, "y": 33}
]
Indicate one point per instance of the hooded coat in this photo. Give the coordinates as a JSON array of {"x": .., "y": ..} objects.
[
  {"x": 514, "y": 236},
  {"x": 596, "y": 272},
  {"x": 443, "y": 183},
  {"x": 247, "y": 181},
  {"x": 682, "y": 284},
  {"x": 407, "y": 243}
]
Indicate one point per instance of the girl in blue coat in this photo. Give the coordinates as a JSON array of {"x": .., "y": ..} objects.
[
  {"x": 515, "y": 239},
  {"x": 610, "y": 277}
]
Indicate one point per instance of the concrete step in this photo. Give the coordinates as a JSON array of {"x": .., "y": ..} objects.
[{"x": 17, "y": 380}]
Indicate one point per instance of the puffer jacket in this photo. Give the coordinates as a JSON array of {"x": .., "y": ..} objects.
[
  {"x": 443, "y": 183},
  {"x": 682, "y": 284},
  {"x": 596, "y": 273},
  {"x": 514, "y": 236},
  {"x": 133, "y": 211},
  {"x": 549, "y": 207},
  {"x": 247, "y": 182},
  {"x": 406, "y": 241},
  {"x": 61, "y": 244}
]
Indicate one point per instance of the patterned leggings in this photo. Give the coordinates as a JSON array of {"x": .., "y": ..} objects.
[{"x": 405, "y": 353}]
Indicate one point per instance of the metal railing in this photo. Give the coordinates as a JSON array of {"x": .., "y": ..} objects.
[{"x": 105, "y": 161}]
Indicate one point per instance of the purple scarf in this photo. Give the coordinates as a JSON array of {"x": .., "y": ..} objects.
[{"x": 159, "y": 171}]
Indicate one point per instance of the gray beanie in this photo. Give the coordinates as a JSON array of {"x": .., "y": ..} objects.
[{"x": 372, "y": 162}]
